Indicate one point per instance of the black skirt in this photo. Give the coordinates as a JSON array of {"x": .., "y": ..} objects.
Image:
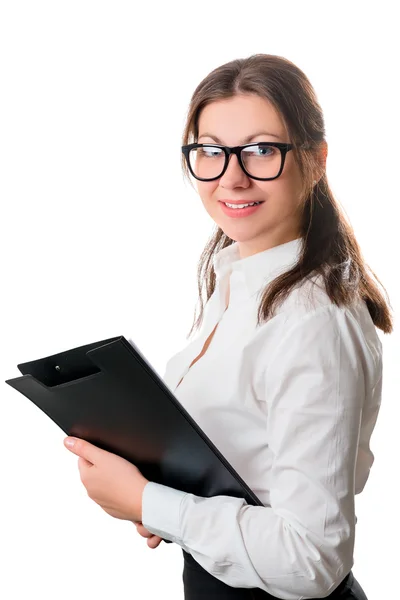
[{"x": 198, "y": 584}]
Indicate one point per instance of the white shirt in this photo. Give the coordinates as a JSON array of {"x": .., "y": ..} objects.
[{"x": 291, "y": 405}]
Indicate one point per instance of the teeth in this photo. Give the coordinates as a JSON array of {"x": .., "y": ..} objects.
[{"x": 240, "y": 205}]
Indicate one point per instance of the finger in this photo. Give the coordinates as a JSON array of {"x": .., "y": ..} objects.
[
  {"x": 154, "y": 541},
  {"x": 82, "y": 462},
  {"x": 143, "y": 531},
  {"x": 83, "y": 449}
]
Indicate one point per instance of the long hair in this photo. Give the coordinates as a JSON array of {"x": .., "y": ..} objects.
[{"x": 329, "y": 247}]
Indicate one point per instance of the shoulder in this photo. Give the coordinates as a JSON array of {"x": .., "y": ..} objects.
[
  {"x": 307, "y": 297},
  {"x": 309, "y": 317},
  {"x": 309, "y": 301}
]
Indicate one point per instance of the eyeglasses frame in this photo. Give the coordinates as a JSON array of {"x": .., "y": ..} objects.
[{"x": 228, "y": 150}]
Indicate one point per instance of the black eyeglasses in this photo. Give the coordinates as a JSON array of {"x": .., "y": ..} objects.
[{"x": 261, "y": 160}]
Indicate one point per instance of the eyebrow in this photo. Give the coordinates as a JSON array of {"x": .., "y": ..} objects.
[{"x": 245, "y": 140}]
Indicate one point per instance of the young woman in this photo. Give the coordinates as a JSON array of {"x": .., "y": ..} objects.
[{"x": 285, "y": 373}]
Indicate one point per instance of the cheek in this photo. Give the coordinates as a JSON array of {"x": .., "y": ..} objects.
[{"x": 206, "y": 191}]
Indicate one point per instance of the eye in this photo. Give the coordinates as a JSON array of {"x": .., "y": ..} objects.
[
  {"x": 209, "y": 152},
  {"x": 260, "y": 150}
]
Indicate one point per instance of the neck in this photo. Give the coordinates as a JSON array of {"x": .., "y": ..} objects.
[{"x": 255, "y": 246}]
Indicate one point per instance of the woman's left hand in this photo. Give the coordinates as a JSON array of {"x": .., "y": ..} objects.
[{"x": 114, "y": 483}]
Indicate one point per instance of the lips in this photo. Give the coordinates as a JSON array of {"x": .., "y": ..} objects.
[
  {"x": 239, "y": 213},
  {"x": 240, "y": 201}
]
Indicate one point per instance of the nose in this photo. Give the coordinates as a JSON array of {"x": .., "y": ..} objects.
[{"x": 234, "y": 175}]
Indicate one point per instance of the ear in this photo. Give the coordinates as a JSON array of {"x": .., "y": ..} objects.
[{"x": 322, "y": 154}]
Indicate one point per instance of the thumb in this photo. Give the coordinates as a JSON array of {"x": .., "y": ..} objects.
[{"x": 82, "y": 448}]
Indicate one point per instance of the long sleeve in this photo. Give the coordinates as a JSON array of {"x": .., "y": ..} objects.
[{"x": 301, "y": 546}]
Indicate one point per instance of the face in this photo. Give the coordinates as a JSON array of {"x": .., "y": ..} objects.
[{"x": 233, "y": 122}]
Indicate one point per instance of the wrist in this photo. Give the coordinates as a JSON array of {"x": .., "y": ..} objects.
[{"x": 145, "y": 482}]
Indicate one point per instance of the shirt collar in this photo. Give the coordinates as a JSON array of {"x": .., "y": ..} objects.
[{"x": 258, "y": 269}]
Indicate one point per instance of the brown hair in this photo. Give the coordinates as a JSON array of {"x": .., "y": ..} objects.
[{"x": 329, "y": 246}]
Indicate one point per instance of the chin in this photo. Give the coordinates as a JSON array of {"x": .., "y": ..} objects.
[{"x": 245, "y": 233}]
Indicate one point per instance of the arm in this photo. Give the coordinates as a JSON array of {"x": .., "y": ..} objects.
[{"x": 303, "y": 542}]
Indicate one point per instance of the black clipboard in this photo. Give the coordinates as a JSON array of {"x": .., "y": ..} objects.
[{"x": 108, "y": 394}]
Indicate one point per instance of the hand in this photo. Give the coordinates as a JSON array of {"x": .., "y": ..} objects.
[
  {"x": 153, "y": 540},
  {"x": 114, "y": 483}
]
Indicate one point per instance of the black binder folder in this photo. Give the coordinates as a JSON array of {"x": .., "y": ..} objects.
[{"x": 108, "y": 394}]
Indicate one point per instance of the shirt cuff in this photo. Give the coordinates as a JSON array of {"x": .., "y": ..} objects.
[{"x": 161, "y": 507}]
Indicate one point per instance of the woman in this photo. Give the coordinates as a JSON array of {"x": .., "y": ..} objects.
[{"x": 285, "y": 374}]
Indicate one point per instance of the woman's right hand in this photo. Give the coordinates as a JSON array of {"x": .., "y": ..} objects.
[{"x": 152, "y": 540}]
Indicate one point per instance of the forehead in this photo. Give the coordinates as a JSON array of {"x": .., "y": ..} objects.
[{"x": 234, "y": 119}]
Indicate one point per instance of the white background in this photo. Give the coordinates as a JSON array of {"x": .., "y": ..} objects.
[{"x": 100, "y": 239}]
